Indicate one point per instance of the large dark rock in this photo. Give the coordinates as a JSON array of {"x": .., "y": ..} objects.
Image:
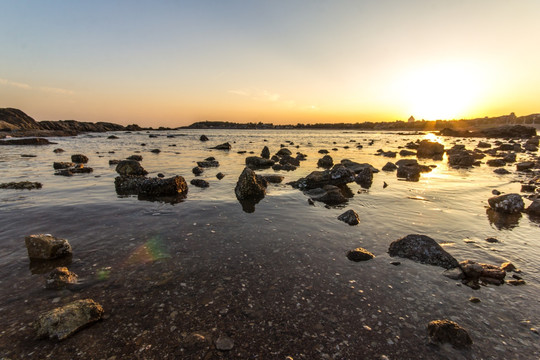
[
  {"x": 265, "y": 153},
  {"x": 525, "y": 165},
  {"x": 338, "y": 175},
  {"x": 130, "y": 168},
  {"x": 328, "y": 194},
  {"x": 359, "y": 254},
  {"x": 29, "y": 141},
  {"x": 446, "y": 331},
  {"x": 79, "y": 158},
  {"x": 534, "y": 208},
  {"x": 325, "y": 162},
  {"x": 461, "y": 159},
  {"x": 284, "y": 152},
  {"x": 224, "y": 146},
  {"x": 250, "y": 185},
  {"x": 60, "y": 323},
  {"x": 255, "y": 162},
  {"x": 350, "y": 217},
  {"x": 508, "y": 203},
  {"x": 364, "y": 178},
  {"x": 423, "y": 249},
  {"x": 429, "y": 149},
  {"x": 150, "y": 187},
  {"x": 46, "y": 247}
]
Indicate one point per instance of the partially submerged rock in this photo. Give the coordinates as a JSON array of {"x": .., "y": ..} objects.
[
  {"x": 46, "y": 247},
  {"x": 203, "y": 138},
  {"x": 350, "y": 217},
  {"x": 200, "y": 183},
  {"x": 325, "y": 162},
  {"x": 255, "y": 162},
  {"x": 21, "y": 185},
  {"x": 62, "y": 165},
  {"x": 250, "y": 185},
  {"x": 328, "y": 194},
  {"x": 430, "y": 149},
  {"x": 359, "y": 254},
  {"x": 338, "y": 175},
  {"x": 534, "y": 208},
  {"x": 130, "y": 168},
  {"x": 79, "y": 158},
  {"x": 423, "y": 249},
  {"x": 508, "y": 203},
  {"x": 446, "y": 331},
  {"x": 474, "y": 272},
  {"x": 265, "y": 153},
  {"x": 62, "y": 322},
  {"x": 273, "y": 178},
  {"x": 60, "y": 278},
  {"x": 224, "y": 146},
  {"x": 208, "y": 163},
  {"x": 30, "y": 141},
  {"x": 150, "y": 187},
  {"x": 364, "y": 178}
]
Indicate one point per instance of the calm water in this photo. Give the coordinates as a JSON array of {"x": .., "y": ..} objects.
[{"x": 286, "y": 260}]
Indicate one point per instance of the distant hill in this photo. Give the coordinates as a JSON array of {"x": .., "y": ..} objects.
[{"x": 15, "y": 119}]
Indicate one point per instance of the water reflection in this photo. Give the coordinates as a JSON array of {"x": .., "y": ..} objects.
[
  {"x": 503, "y": 221},
  {"x": 38, "y": 266}
]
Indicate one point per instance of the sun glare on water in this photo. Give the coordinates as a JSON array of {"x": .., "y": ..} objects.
[{"x": 442, "y": 91}]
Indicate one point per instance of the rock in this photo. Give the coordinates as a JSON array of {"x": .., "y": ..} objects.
[
  {"x": 350, "y": 217},
  {"x": 482, "y": 272},
  {"x": 46, "y": 247},
  {"x": 265, "y": 153},
  {"x": 483, "y": 145},
  {"x": 390, "y": 154},
  {"x": 203, "y": 138},
  {"x": 390, "y": 166},
  {"x": 208, "y": 163},
  {"x": 155, "y": 151},
  {"x": 60, "y": 323},
  {"x": 359, "y": 254},
  {"x": 516, "y": 282},
  {"x": 364, "y": 178},
  {"x": 325, "y": 162},
  {"x": 200, "y": 183},
  {"x": 446, "y": 331},
  {"x": 508, "y": 266},
  {"x": 323, "y": 151},
  {"x": 429, "y": 149},
  {"x": 423, "y": 249},
  {"x": 195, "y": 341},
  {"x": 454, "y": 273},
  {"x": 286, "y": 167},
  {"x": 150, "y": 187},
  {"x": 79, "y": 158},
  {"x": 250, "y": 185},
  {"x": 474, "y": 300},
  {"x": 224, "y": 146},
  {"x": 492, "y": 240},
  {"x": 63, "y": 165},
  {"x": 274, "y": 178},
  {"x": 284, "y": 152},
  {"x": 114, "y": 162},
  {"x": 255, "y": 162},
  {"x": 160, "y": 175},
  {"x": 30, "y": 141},
  {"x": 15, "y": 119},
  {"x": 461, "y": 159},
  {"x": 289, "y": 160},
  {"x": 357, "y": 167},
  {"x": 224, "y": 343},
  {"x": 509, "y": 157},
  {"x": 64, "y": 172},
  {"x": 58, "y": 150},
  {"x": 338, "y": 175},
  {"x": 130, "y": 168},
  {"x": 409, "y": 171},
  {"x": 220, "y": 175},
  {"x": 135, "y": 157},
  {"x": 534, "y": 208},
  {"x": 60, "y": 278},
  {"x": 509, "y": 131},
  {"x": 496, "y": 162},
  {"x": 528, "y": 188},
  {"x": 407, "y": 153},
  {"x": 21, "y": 185},
  {"x": 508, "y": 203},
  {"x": 328, "y": 194},
  {"x": 197, "y": 171},
  {"x": 113, "y": 137},
  {"x": 501, "y": 171},
  {"x": 526, "y": 165}
]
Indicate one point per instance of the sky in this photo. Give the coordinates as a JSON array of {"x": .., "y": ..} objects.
[{"x": 172, "y": 63}]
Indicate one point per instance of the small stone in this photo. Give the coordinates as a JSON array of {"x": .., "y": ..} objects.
[
  {"x": 395, "y": 263},
  {"x": 155, "y": 151},
  {"x": 359, "y": 254},
  {"x": 474, "y": 300},
  {"x": 508, "y": 266},
  {"x": 195, "y": 341},
  {"x": 492, "y": 240},
  {"x": 224, "y": 343},
  {"x": 446, "y": 331},
  {"x": 350, "y": 217},
  {"x": 220, "y": 175},
  {"x": 203, "y": 138},
  {"x": 200, "y": 183},
  {"x": 516, "y": 282}
]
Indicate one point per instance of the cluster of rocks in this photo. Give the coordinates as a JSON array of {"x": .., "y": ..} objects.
[
  {"x": 62, "y": 322},
  {"x": 209, "y": 162},
  {"x": 76, "y": 166},
  {"x": 21, "y": 185}
]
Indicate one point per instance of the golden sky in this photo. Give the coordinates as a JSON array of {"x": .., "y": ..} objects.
[{"x": 171, "y": 63}]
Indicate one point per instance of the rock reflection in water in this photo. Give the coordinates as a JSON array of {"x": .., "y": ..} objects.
[
  {"x": 503, "y": 221},
  {"x": 45, "y": 266}
]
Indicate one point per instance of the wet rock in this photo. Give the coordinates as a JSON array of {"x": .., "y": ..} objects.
[
  {"x": 150, "y": 187},
  {"x": 409, "y": 171},
  {"x": 364, "y": 178},
  {"x": 358, "y": 167},
  {"x": 284, "y": 152},
  {"x": 516, "y": 282},
  {"x": 496, "y": 162},
  {"x": 509, "y": 157},
  {"x": 58, "y": 150},
  {"x": 286, "y": 167},
  {"x": 255, "y": 162},
  {"x": 528, "y": 188},
  {"x": 492, "y": 240},
  {"x": 389, "y": 166},
  {"x": 224, "y": 343},
  {"x": 203, "y": 138},
  {"x": 474, "y": 300},
  {"x": 220, "y": 175},
  {"x": 60, "y": 278},
  {"x": 130, "y": 168},
  {"x": 197, "y": 171},
  {"x": 79, "y": 158},
  {"x": 482, "y": 272},
  {"x": 483, "y": 145},
  {"x": 265, "y": 153},
  {"x": 46, "y": 247},
  {"x": 407, "y": 153},
  {"x": 526, "y": 165},
  {"x": 60, "y": 323},
  {"x": 250, "y": 185},
  {"x": 359, "y": 254},
  {"x": 328, "y": 194},
  {"x": 534, "y": 208},
  {"x": 64, "y": 172},
  {"x": 454, "y": 273},
  {"x": 423, "y": 249},
  {"x": 508, "y": 203},
  {"x": 114, "y": 162},
  {"x": 135, "y": 157},
  {"x": 461, "y": 159},
  {"x": 63, "y": 165},
  {"x": 30, "y": 141},
  {"x": 208, "y": 163},
  {"x": 200, "y": 183},
  {"x": 338, "y": 175},
  {"x": 325, "y": 162},
  {"x": 323, "y": 151},
  {"x": 274, "y": 178},
  {"x": 390, "y": 154},
  {"x": 429, "y": 149},
  {"x": 224, "y": 146},
  {"x": 289, "y": 160},
  {"x": 501, "y": 171},
  {"x": 155, "y": 151},
  {"x": 113, "y": 137},
  {"x": 350, "y": 217},
  {"x": 21, "y": 185},
  {"x": 508, "y": 266},
  {"x": 446, "y": 331}
]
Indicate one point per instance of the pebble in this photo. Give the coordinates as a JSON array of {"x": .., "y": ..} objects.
[{"x": 224, "y": 343}]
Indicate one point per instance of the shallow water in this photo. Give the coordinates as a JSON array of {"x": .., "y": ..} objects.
[{"x": 276, "y": 280}]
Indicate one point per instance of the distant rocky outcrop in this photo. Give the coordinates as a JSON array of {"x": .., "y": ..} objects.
[
  {"x": 79, "y": 126},
  {"x": 507, "y": 131},
  {"x": 15, "y": 119}
]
